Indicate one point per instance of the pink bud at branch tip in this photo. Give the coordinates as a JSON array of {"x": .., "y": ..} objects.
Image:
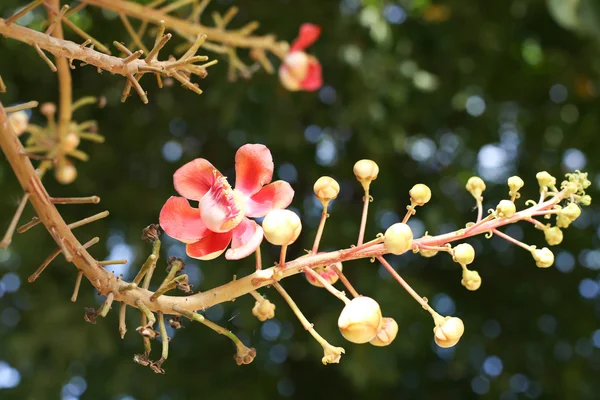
[{"x": 299, "y": 70}]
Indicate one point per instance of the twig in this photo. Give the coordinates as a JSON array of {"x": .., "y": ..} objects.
[
  {"x": 77, "y": 285},
  {"x": 25, "y": 227},
  {"x": 24, "y": 106},
  {"x": 13, "y": 223},
  {"x": 75, "y": 200},
  {"x": 88, "y": 220},
  {"x": 23, "y": 11}
]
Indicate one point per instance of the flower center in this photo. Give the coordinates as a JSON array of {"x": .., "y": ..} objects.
[{"x": 221, "y": 208}]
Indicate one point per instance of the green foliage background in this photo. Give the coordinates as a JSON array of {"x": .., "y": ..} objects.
[{"x": 395, "y": 93}]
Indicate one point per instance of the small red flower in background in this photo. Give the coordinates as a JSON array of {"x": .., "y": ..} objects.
[
  {"x": 222, "y": 215},
  {"x": 301, "y": 71}
]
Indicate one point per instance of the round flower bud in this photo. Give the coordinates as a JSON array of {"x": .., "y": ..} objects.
[
  {"x": 282, "y": 227},
  {"x": 543, "y": 257},
  {"x": 475, "y": 185},
  {"x": 19, "y": 121},
  {"x": 553, "y": 235},
  {"x": 360, "y": 320},
  {"x": 386, "y": 334},
  {"x": 515, "y": 183},
  {"x": 586, "y": 200},
  {"x": 572, "y": 211},
  {"x": 420, "y": 194},
  {"x": 427, "y": 253},
  {"x": 70, "y": 142},
  {"x": 448, "y": 333},
  {"x": 65, "y": 174},
  {"x": 48, "y": 109},
  {"x": 545, "y": 179},
  {"x": 471, "y": 279},
  {"x": 366, "y": 171},
  {"x": 263, "y": 310},
  {"x": 398, "y": 238},
  {"x": 326, "y": 189},
  {"x": 295, "y": 69},
  {"x": 506, "y": 209},
  {"x": 464, "y": 254},
  {"x": 326, "y": 273}
]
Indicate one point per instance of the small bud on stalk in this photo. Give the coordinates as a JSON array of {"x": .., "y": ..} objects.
[
  {"x": 366, "y": 171},
  {"x": 386, "y": 334},
  {"x": 398, "y": 238},
  {"x": 326, "y": 189},
  {"x": 448, "y": 331},
  {"x": 464, "y": 254},
  {"x": 282, "y": 227},
  {"x": 360, "y": 320}
]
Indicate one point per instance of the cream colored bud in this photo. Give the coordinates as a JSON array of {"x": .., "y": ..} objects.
[
  {"x": 427, "y": 253},
  {"x": 515, "y": 183},
  {"x": 65, "y": 174},
  {"x": 471, "y": 279},
  {"x": 545, "y": 179},
  {"x": 475, "y": 185},
  {"x": 19, "y": 121},
  {"x": 326, "y": 272},
  {"x": 553, "y": 235},
  {"x": 263, "y": 310},
  {"x": 282, "y": 227},
  {"x": 366, "y": 171},
  {"x": 398, "y": 238},
  {"x": 360, "y": 320},
  {"x": 386, "y": 334},
  {"x": 48, "y": 109},
  {"x": 326, "y": 189},
  {"x": 464, "y": 254},
  {"x": 448, "y": 332},
  {"x": 506, "y": 209},
  {"x": 572, "y": 212},
  {"x": 544, "y": 258},
  {"x": 420, "y": 194},
  {"x": 70, "y": 142}
]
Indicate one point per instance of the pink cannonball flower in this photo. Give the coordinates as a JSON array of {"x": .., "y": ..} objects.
[
  {"x": 223, "y": 214},
  {"x": 299, "y": 70}
]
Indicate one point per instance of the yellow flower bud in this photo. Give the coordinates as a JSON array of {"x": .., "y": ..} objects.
[
  {"x": 475, "y": 185},
  {"x": 65, "y": 174},
  {"x": 427, "y": 253},
  {"x": 19, "y": 121},
  {"x": 572, "y": 212},
  {"x": 263, "y": 310},
  {"x": 545, "y": 179},
  {"x": 366, "y": 171},
  {"x": 571, "y": 188},
  {"x": 515, "y": 183},
  {"x": 448, "y": 332},
  {"x": 543, "y": 257},
  {"x": 360, "y": 320},
  {"x": 398, "y": 238},
  {"x": 553, "y": 235},
  {"x": 586, "y": 200},
  {"x": 326, "y": 189},
  {"x": 471, "y": 279},
  {"x": 326, "y": 273},
  {"x": 506, "y": 209},
  {"x": 420, "y": 194},
  {"x": 70, "y": 142},
  {"x": 386, "y": 334},
  {"x": 464, "y": 254},
  {"x": 282, "y": 227}
]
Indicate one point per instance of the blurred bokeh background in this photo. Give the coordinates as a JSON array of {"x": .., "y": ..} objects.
[{"x": 434, "y": 92}]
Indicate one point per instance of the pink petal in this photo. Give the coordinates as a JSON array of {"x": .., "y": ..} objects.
[
  {"x": 180, "y": 221},
  {"x": 247, "y": 236},
  {"x": 209, "y": 247},
  {"x": 277, "y": 195},
  {"x": 195, "y": 178},
  {"x": 253, "y": 168},
  {"x": 308, "y": 34},
  {"x": 313, "y": 79}
]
